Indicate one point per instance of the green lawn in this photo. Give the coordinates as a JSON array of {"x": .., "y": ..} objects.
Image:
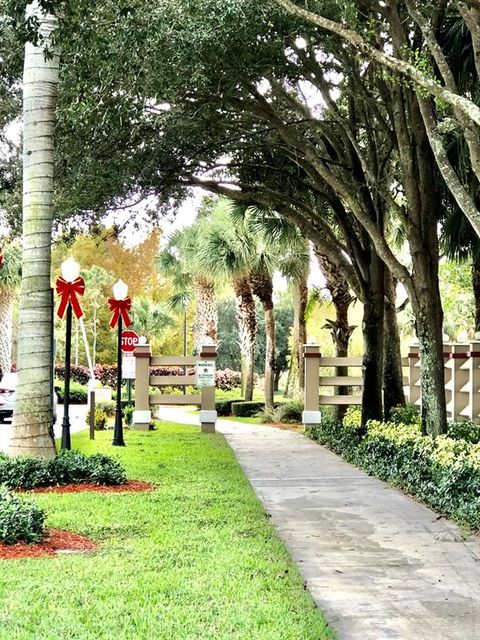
[{"x": 195, "y": 559}]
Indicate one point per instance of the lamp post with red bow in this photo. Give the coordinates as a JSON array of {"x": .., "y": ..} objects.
[
  {"x": 68, "y": 287},
  {"x": 119, "y": 305}
]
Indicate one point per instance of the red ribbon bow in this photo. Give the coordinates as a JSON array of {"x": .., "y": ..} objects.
[
  {"x": 120, "y": 308},
  {"x": 68, "y": 292}
]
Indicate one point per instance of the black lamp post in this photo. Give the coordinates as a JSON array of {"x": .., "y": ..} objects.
[
  {"x": 68, "y": 286},
  {"x": 120, "y": 305}
]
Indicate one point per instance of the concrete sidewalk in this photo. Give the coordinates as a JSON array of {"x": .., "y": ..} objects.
[{"x": 377, "y": 563}]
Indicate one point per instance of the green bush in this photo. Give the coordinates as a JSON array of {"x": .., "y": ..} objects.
[
  {"x": 20, "y": 520},
  {"x": 128, "y": 414},
  {"x": 25, "y": 473},
  {"x": 464, "y": 430},
  {"x": 409, "y": 414},
  {"x": 101, "y": 418},
  {"x": 289, "y": 412},
  {"x": 108, "y": 406},
  {"x": 78, "y": 392},
  {"x": 68, "y": 467},
  {"x": 443, "y": 472},
  {"x": 247, "y": 409},
  {"x": 224, "y": 407}
]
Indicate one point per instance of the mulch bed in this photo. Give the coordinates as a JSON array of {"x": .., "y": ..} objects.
[
  {"x": 130, "y": 485},
  {"x": 55, "y": 542}
]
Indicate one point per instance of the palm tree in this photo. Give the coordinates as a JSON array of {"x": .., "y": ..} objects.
[
  {"x": 32, "y": 432},
  {"x": 225, "y": 253},
  {"x": 292, "y": 257},
  {"x": 179, "y": 262},
  {"x": 10, "y": 275},
  {"x": 149, "y": 318}
]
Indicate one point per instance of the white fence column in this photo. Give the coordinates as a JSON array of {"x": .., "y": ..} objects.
[{"x": 311, "y": 413}]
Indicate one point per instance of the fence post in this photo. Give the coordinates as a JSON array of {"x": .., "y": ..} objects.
[
  {"x": 413, "y": 374},
  {"x": 142, "y": 415},
  {"x": 311, "y": 393},
  {"x": 208, "y": 413},
  {"x": 459, "y": 403},
  {"x": 474, "y": 386}
]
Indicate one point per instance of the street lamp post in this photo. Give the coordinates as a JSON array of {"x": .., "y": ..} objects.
[
  {"x": 120, "y": 305},
  {"x": 68, "y": 286}
]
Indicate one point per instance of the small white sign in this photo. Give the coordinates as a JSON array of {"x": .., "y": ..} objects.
[
  {"x": 128, "y": 366},
  {"x": 205, "y": 373}
]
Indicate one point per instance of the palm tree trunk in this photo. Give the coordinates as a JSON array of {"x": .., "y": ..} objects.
[
  {"x": 7, "y": 300},
  {"x": 262, "y": 287},
  {"x": 247, "y": 331},
  {"x": 340, "y": 328},
  {"x": 32, "y": 430},
  {"x": 206, "y": 320}
]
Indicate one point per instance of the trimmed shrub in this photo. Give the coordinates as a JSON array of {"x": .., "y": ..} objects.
[
  {"x": 224, "y": 407},
  {"x": 20, "y": 520},
  {"x": 78, "y": 392},
  {"x": 247, "y": 409},
  {"x": 68, "y": 467},
  {"x": 25, "y": 473},
  {"x": 74, "y": 467},
  {"x": 443, "y": 472}
]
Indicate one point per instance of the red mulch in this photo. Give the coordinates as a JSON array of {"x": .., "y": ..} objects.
[
  {"x": 54, "y": 542},
  {"x": 130, "y": 485}
]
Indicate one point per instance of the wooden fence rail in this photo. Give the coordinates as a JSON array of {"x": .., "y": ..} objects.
[
  {"x": 462, "y": 381},
  {"x": 142, "y": 415}
]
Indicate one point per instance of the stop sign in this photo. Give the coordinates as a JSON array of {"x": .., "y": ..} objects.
[{"x": 129, "y": 340}]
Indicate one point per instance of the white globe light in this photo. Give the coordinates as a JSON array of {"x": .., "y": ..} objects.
[
  {"x": 70, "y": 269},
  {"x": 120, "y": 290},
  {"x": 142, "y": 340}
]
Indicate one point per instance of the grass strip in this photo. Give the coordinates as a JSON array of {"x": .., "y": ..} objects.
[{"x": 195, "y": 559}]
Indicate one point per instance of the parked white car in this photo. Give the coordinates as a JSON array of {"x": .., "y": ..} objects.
[{"x": 8, "y": 388}]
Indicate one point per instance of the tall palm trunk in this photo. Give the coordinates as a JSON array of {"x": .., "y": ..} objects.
[
  {"x": 296, "y": 371},
  {"x": 339, "y": 328},
  {"x": 262, "y": 287},
  {"x": 247, "y": 331},
  {"x": 7, "y": 300},
  {"x": 32, "y": 431},
  {"x": 206, "y": 321}
]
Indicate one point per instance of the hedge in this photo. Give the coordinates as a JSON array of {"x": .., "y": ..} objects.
[
  {"x": 68, "y": 467},
  {"x": 442, "y": 471},
  {"x": 247, "y": 409}
]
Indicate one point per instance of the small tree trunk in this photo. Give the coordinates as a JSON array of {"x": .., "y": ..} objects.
[
  {"x": 372, "y": 367},
  {"x": 373, "y": 339},
  {"x": 393, "y": 393},
  {"x": 247, "y": 331},
  {"x": 269, "y": 355},
  {"x": 429, "y": 325},
  {"x": 6, "y": 330}
]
